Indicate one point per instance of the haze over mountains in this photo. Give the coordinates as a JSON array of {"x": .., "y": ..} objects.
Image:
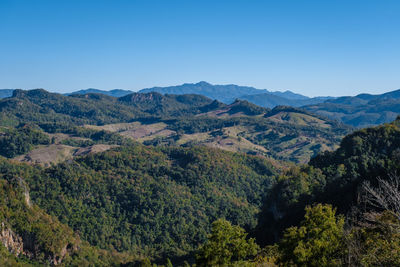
[{"x": 358, "y": 111}]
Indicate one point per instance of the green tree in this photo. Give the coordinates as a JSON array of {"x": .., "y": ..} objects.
[
  {"x": 226, "y": 243},
  {"x": 318, "y": 240}
]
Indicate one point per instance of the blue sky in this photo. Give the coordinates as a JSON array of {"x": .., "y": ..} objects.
[{"x": 311, "y": 47}]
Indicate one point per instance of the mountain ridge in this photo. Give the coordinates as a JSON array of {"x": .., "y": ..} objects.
[
  {"x": 362, "y": 110},
  {"x": 225, "y": 93}
]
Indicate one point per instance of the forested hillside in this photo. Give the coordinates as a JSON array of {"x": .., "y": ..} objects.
[
  {"x": 183, "y": 120},
  {"x": 346, "y": 178},
  {"x": 156, "y": 203},
  {"x": 31, "y": 237},
  {"x": 153, "y": 202}
]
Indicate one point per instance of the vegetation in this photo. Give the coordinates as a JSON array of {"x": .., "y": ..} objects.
[
  {"x": 138, "y": 205},
  {"x": 37, "y": 236},
  {"x": 21, "y": 140},
  {"x": 226, "y": 244},
  {"x": 156, "y": 202},
  {"x": 317, "y": 242},
  {"x": 283, "y": 133}
]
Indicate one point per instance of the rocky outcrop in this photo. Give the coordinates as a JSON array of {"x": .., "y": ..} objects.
[
  {"x": 26, "y": 245},
  {"x": 27, "y": 242},
  {"x": 23, "y": 185},
  {"x": 10, "y": 240}
]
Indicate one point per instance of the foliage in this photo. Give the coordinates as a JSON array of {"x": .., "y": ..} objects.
[
  {"x": 376, "y": 243},
  {"x": 316, "y": 242},
  {"x": 155, "y": 201},
  {"x": 226, "y": 243},
  {"x": 44, "y": 237},
  {"x": 332, "y": 177},
  {"x": 9, "y": 260},
  {"x": 46, "y": 232},
  {"x": 21, "y": 140}
]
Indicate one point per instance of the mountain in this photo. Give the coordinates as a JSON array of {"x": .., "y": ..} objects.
[
  {"x": 269, "y": 100},
  {"x": 6, "y": 93},
  {"x": 41, "y": 106},
  {"x": 224, "y": 93},
  {"x": 157, "y": 104},
  {"x": 361, "y": 110},
  {"x": 290, "y": 95},
  {"x": 114, "y": 92},
  {"x": 228, "y": 93}
]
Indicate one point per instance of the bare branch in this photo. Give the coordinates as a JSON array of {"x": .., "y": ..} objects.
[{"x": 386, "y": 195}]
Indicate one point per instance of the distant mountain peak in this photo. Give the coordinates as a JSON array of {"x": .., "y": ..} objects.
[
  {"x": 203, "y": 83},
  {"x": 113, "y": 92}
]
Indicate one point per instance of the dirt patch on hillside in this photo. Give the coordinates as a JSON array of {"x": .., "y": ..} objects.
[
  {"x": 54, "y": 154},
  {"x": 47, "y": 155}
]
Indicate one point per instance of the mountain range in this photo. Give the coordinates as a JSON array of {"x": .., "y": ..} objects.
[
  {"x": 361, "y": 110},
  {"x": 224, "y": 93},
  {"x": 358, "y": 111}
]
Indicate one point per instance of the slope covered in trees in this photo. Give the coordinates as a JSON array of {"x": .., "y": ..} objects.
[
  {"x": 333, "y": 177},
  {"x": 148, "y": 201},
  {"x": 31, "y": 237}
]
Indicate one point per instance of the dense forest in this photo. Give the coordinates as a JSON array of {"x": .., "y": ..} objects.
[{"x": 143, "y": 201}]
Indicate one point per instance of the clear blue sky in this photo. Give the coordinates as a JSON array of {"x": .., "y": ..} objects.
[{"x": 311, "y": 47}]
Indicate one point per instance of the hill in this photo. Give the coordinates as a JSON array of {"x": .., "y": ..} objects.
[
  {"x": 158, "y": 202},
  {"x": 31, "y": 237},
  {"x": 114, "y": 92},
  {"x": 272, "y": 100},
  {"x": 283, "y": 133},
  {"x": 41, "y": 106},
  {"x": 362, "y": 110},
  {"x": 184, "y": 120}
]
